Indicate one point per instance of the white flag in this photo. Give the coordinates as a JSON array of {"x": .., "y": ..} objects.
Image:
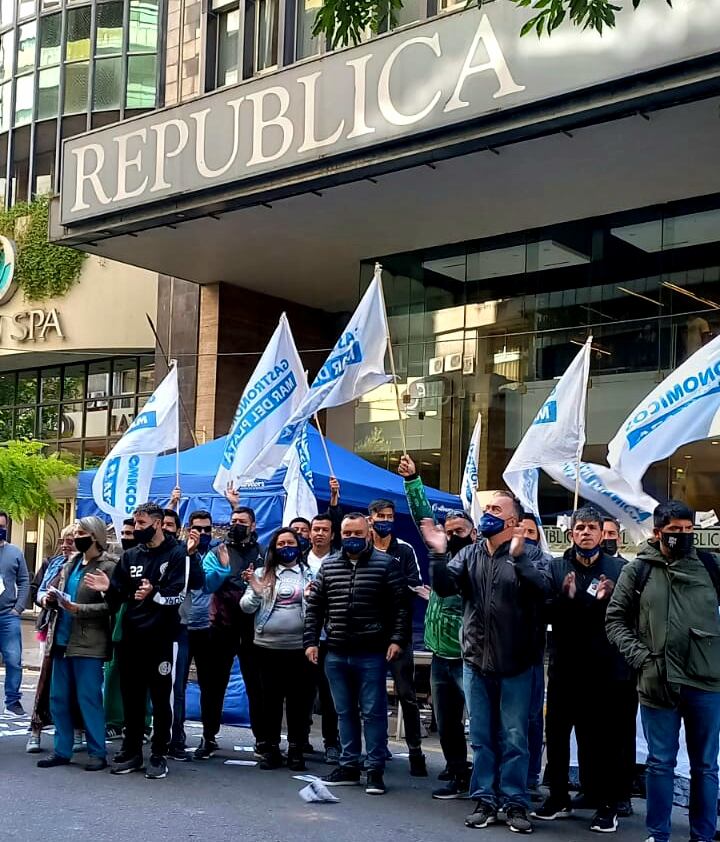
[
  {"x": 685, "y": 407},
  {"x": 604, "y": 487},
  {"x": 298, "y": 482},
  {"x": 271, "y": 396},
  {"x": 468, "y": 485},
  {"x": 123, "y": 480},
  {"x": 557, "y": 434},
  {"x": 356, "y": 364}
]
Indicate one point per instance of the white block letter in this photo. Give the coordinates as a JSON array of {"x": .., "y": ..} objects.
[
  {"x": 200, "y": 117},
  {"x": 161, "y": 153},
  {"x": 260, "y": 124},
  {"x": 385, "y": 103},
  {"x": 310, "y": 141},
  {"x": 359, "y": 66},
  {"x": 124, "y": 163},
  {"x": 81, "y": 177}
]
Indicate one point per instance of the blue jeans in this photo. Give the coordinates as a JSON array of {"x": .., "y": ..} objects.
[
  {"x": 499, "y": 712},
  {"x": 11, "y": 651},
  {"x": 81, "y": 678},
  {"x": 535, "y": 724},
  {"x": 448, "y": 694},
  {"x": 357, "y": 684},
  {"x": 700, "y": 711},
  {"x": 180, "y": 681}
]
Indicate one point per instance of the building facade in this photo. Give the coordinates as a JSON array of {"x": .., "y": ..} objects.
[{"x": 520, "y": 194}]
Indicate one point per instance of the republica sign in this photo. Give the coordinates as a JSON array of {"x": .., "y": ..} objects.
[{"x": 448, "y": 71}]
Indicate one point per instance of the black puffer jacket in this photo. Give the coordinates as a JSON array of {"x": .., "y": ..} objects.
[
  {"x": 363, "y": 606},
  {"x": 503, "y": 600}
]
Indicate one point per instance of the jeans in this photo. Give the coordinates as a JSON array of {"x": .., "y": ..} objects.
[
  {"x": 180, "y": 680},
  {"x": 700, "y": 711},
  {"x": 536, "y": 724},
  {"x": 402, "y": 670},
  {"x": 331, "y": 737},
  {"x": 78, "y": 679},
  {"x": 499, "y": 713},
  {"x": 11, "y": 651},
  {"x": 448, "y": 695},
  {"x": 358, "y": 687}
]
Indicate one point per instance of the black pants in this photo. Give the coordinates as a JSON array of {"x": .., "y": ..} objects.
[
  {"x": 225, "y": 644},
  {"x": 285, "y": 676},
  {"x": 403, "y": 673},
  {"x": 593, "y": 706},
  {"x": 145, "y": 666}
]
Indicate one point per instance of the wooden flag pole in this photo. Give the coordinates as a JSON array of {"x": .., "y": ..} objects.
[
  {"x": 398, "y": 402},
  {"x": 580, "y": 447}
]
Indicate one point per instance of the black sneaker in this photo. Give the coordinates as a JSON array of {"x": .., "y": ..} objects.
[
  {"x": 552, "y": 809},
  {"x": 271, "y": 760},
  {"x": 418, "y": 767},
  {"x": 516, "y": 818},
  {"x": 624, "y": 809},
  {"x": 124, "y": 763},
  {"x": 604, "y": 821},
  {"x": 179, "y": 754},
  {"x": 332, "y": 756},
  {"x": 375, "y": 784},
  {"x": 455, "y": 788},
  {"x": 15, "y": 709},
  {"x": 157, "y": 767},
  {"x": 205, "y": 750},
  {"x": 112, "y": 734},
  {"x": 482, "y": 816},
  {"x": 53, "y": 760},
  {"x": 295, "y": 760},
  {"x": 95, "y": 764},
  {"x": 343, "y": 776}
]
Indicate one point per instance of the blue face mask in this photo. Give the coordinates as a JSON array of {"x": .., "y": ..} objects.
[
  {"x": 531, "y": 542},
  {"x": 204, "y": 542},
  {"x": 490, "y": 525},
  {"x": 383, "y": 528},
  {"x": 584, "y": 553},
  {"x": 304, "y": 544},
  {"x": 354, "y": 546},
  {"x": 3, "y": 533},
  {"x": 288, "y": 554}
]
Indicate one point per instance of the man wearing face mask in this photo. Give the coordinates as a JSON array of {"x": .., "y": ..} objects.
[
  {"x": 586, "y": 679},
  {"x": 148, "y": 585},
  {"x": 382, "y": 520},
  {"x": 127, "y": 534},
  {"x": 14, "y": 592},
  {"x": 663, "y": 617},
  {"x": 611, "y": 538},
  {"x": 232, "y": 630},
  {"x": 359, "y": 596},
  {"x": 503, "y": 594},
  {"x": 301, "y": 527}
]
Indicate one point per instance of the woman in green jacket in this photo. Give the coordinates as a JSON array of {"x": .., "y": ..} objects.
[{"x": 79, "y": 641}]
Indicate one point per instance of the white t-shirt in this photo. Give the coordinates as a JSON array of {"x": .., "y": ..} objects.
[{"x": 315, "y": 562}]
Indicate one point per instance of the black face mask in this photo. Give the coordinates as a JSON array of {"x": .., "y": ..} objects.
[
  {"x": 237, "y": 533},
  {"x": 142, "y": 536},
  {"x": 609, "y": 546},
  {"x": 83, "y": 544},
  {"x": 457, "y": 542},
  {"x": 128, "y": 543},
  {"x": 678, "y": 543}
]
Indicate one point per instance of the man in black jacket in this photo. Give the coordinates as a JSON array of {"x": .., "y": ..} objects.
[
  {"x": 149, "y": 585},
  {"x": 503, "y": 593},
  {"x": 382, "y": 520},
  {"x": 359, "y": 595},
  {"x": 587, "y": 678}
]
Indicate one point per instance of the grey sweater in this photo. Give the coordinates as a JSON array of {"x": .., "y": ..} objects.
[{"x": 14, "y": 579}]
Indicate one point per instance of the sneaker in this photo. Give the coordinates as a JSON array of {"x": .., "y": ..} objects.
[
  {"x": 15, "y": 709},
  {"x": 482, "y": 816},
  {"x": 112, "y": 734},
  {"x": 124, "y": 763},
  {"x": 343, "y": 776},
  {"x": 455, "y": 788},
  {"x": 78, "y": 741},
  {"x": 53, "y": 760},
  {"x": 624, "y": 809},
  {"x": 582, "y": 802},
  {"x": 604, "y": 821},
  {"x": 552, "y": 809},
  {"x": 205, "y": 750},
  {"x": 32, "y": 746},
  {"x": 517, "y": 820},
  {"x": 272, "y": 760},
  {"x": 375, "y": 784},
  {"x": 295, "y": 761},
  {"x": 157, "y": 767},
  {"x": 179, "y": 754},
  {"x": 418, "y": 767},
  {"x": 332, "y": 756},
  {"x": 95, "y": 764}
]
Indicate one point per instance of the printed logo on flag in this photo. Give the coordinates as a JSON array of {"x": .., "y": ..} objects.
[
  {"x": 109, "y": 486},
  {"x": 548, "y": 412},
  {"x": 349, "y": 353},
  {"x": 131, "y": 486},
  {"x": 144, "y": 421},
  {"x": 594, "y": 482}
]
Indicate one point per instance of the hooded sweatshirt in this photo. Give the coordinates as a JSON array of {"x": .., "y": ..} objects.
[{"x": 14, "y": 579}]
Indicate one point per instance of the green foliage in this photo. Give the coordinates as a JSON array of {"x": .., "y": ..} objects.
[
  {"x": 25, "y": 473},
  {"x": 43, "y": 270},
  {"x": 345, "y": 22}
]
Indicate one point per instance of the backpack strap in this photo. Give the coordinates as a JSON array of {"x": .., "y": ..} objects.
[
  {"x": 642, "y": 574},
  {"x": 710, "y": 564}
]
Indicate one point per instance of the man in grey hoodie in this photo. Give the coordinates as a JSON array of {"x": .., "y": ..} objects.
[{"x": 14, "y": 592}]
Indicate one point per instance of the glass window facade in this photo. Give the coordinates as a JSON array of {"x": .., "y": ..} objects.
[
  {"x": 78, "y": 410},
  {"x": 488, "y": 326}
]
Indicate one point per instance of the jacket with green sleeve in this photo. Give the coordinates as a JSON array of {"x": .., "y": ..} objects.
[
  {"x": 670, "y": 632},
  {"x": 443, "y": 618}
]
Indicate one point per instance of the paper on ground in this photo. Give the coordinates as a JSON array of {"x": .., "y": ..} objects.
[
  {"x": 317, "y": 792},
  {"x": 241, "y": 762}
]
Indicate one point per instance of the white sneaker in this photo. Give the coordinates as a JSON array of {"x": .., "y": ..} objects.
[{"x": 33, "y": 744}]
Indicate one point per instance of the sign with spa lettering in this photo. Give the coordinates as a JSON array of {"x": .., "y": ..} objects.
[{"x": 448, "y": 71}]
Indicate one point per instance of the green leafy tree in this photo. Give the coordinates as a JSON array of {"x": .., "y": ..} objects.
[
  {"x": 25, "y": 477},
  {"x": 345, "y": 22}
]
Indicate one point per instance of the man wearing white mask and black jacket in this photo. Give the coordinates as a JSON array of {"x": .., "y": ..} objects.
[
  {"x": 148, "y": 586},
  {"x": 503, "y": 595}
]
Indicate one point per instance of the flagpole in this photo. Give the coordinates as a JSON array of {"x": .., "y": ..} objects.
[
  {"x": 581, "y": 443},
  {"x": 324, "y": 444},
  {"x": 173, "y": 363},
  {"x": 403, "y": 436}
]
